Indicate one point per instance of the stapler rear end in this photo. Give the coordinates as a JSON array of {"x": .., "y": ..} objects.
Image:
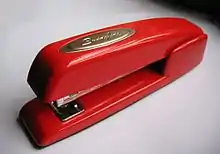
[{"x": 84, "y": 79}]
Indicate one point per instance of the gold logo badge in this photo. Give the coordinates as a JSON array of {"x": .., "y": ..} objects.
[{"x": 98, "y": 40}]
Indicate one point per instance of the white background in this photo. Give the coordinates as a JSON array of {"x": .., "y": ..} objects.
[{"x": 182, "y": 118}]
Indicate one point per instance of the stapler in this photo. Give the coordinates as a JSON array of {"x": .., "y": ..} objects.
[{"x": 84, "y": 79}]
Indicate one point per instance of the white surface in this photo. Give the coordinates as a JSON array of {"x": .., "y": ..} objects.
[{"x": 182, "y": 118}]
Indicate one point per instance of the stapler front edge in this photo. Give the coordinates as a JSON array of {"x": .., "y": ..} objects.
[{"x": 84, "y": 79}]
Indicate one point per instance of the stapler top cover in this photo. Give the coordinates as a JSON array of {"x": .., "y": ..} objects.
[{"x": 93, "y": 59}]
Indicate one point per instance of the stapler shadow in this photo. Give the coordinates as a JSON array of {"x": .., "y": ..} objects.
[{"x": 84, "y": 79}]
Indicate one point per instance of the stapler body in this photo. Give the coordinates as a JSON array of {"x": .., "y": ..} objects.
[{"x": 84, "y": 79}]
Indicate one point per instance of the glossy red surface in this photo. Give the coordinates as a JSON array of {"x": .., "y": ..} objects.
[
  {"x": 55, "y": 74},
  {"x": 178, "y": 42}
]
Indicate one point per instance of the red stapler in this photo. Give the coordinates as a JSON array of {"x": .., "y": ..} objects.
[{"x": 84, "y": 79}]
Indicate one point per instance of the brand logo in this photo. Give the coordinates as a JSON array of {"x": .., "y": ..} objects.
[{"x": 97, "y": 40}]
